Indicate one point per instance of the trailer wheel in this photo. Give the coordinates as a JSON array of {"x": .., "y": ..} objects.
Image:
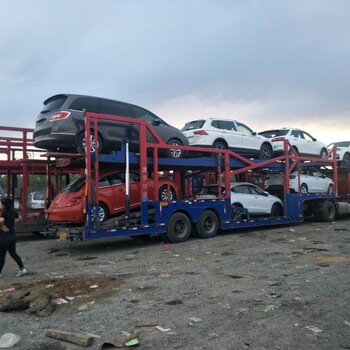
[
  {"x": 207, "y": 225},
  {"x": 179, "y": 228},
  {"x": 329, "y": 212}
]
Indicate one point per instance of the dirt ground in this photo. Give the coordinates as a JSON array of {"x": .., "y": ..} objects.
[{"x": 273, "y": 288}]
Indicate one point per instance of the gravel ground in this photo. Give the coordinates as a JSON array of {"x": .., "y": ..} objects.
[{"x": 250, "y": 289}]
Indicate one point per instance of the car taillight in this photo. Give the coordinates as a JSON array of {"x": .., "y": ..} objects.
[
  {"x": 277, "y": 139},
  {"x": 58, "y": 116},
  {"x": 74, "y": 201},
  {"x": 200, "y": 132},
  {"x": 292, "y": 176}
]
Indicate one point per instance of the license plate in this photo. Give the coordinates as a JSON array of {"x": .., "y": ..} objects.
[{"x": 62, "y": 236}]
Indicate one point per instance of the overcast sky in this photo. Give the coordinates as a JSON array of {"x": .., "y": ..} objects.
[{"x": 267, "y": 63}]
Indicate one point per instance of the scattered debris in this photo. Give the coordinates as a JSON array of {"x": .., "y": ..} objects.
[
  {"x": 130, "y": 257},
  {"x": 163, "y": 329},
  {"x": 75, "y": 338},
  {"x": 196, "y": 319},
  {"x": 333, "y": 259},
  {"x": 299, "y": 325},
  {"x": 275, "y": 284},
  {"x": 270, "y": 308},
  {"x": 174, "y": 302},
  {"x": 86, "y": 257},
  {"x": 164, "y": 275},
  {"x": 314, "y": 330},
  {"x": 94, "y": 286},
  {"x": 212, "y": 334},
  {"x": 9, "y": 340},
  {"x": 59, "y": 301},
  {"x": 347, "y": 323}
]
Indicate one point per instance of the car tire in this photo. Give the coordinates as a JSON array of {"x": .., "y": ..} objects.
[
  {"x": 220, "y": 145},
  {"x": 304, "y": 189},
  {"x": 330, "y": 189},
  {"x": 174, "y": 153},
  {"x": 323, "y": 153},
  {"x": 266, "y": 151},
  {"x": 102, "y": 212},
  {"x": 346, "y": 160},
  {"x": 163, "y": 194},
  {"x": 291, "y": 153},
  {"x": 81, "y": 146},
  {"x": 276, "y": 210}
]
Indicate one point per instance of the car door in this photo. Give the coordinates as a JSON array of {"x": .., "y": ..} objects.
[
  {"x": 318, "y": 180},
  {"x": 114, "y": 194},
  {"x": 306, "y": 176},
  {"x": 250, "y": 141},
  {"x": 242, "y": 194},
  {"x": 297, "y": 139},
  {"x": 226, "y": 129},
  {"x": 134, "y": 192},
  {"x": 312, "y": 146},
  {"x": 261, "y": 200}
]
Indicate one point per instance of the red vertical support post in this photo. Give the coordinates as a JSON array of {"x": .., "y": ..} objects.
[
  {"x": 88, "y": 191},
  {"x": 286, "y": 182},
  {"x": 227, "y": 174},
  {"x": 143, "y": 161},
  {"x": 335, "y": 170},
  {"x": 25, "y": 175}
]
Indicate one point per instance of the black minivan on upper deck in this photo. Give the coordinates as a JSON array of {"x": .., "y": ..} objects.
[{"x": 60, "y": 126}]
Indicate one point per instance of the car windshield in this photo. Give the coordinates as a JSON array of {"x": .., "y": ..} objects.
[
  {"x": 274, "y": 133},
  {"x": 197, "y": 124},
  {"x": 340, "y": 144},
  {"x": 75, "y": 185},
  {"x": 53, "y": 103},
  {"x": 39, "y": 196},
  {"x": 210, "y": 190}
]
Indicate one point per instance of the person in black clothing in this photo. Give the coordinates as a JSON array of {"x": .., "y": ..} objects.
[{"x": 8, "y": 217}]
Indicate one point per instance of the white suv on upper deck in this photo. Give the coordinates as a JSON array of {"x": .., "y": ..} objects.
[
  {"x": 227, "y": 134},
  {"x": 301, "y": 141}
]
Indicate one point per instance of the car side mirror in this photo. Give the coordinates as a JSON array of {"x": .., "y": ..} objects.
[
  {"x": 254, "y": 133},
  {"x": 266, "y": 194},
  {"x": 314, "y": 139},
  {"x": 156, "y": 122}
]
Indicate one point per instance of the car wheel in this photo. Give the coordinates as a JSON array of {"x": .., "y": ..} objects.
[
  {"x": 102, "y": 212},
  {"x": 81, "y": 145},
  {"x": 330, "y": 189},
  {"x": 323, "y": 153},
  {"x": 346, "y": 160},
  {"x": 266, "y": 151},
  {"x": 296, "y": 152},
  {"x": 303, "y": 189},
  {"x": 174, "y": 153},
  {"x": 220, "y": 145},
  {"x": 276, "y": 210},
  {"x": 166, "y": 195}
]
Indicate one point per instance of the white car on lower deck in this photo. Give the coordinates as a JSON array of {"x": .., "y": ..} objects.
[
  {"x": 247, "y": 195},
  {"x": 311, "y": 181}
]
